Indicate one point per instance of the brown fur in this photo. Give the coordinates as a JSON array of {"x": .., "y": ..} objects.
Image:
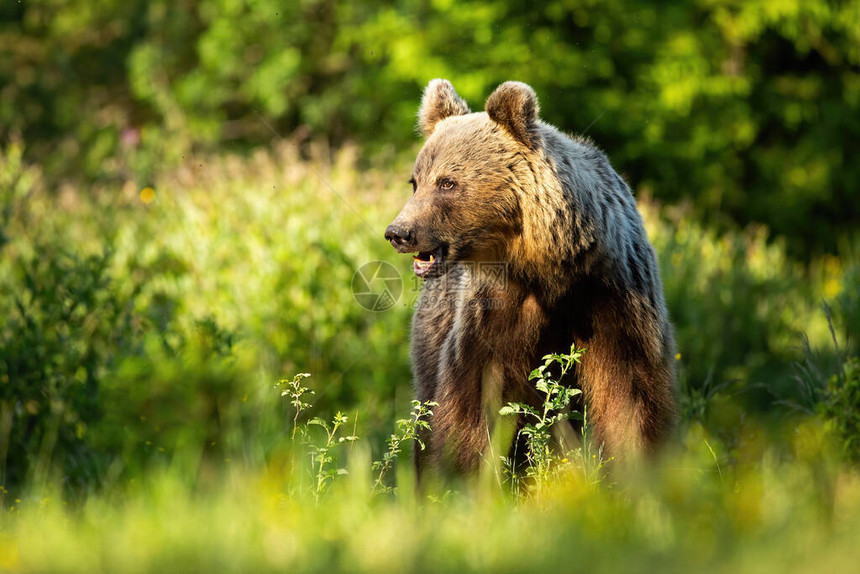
[{"x": 578, "y": 269}]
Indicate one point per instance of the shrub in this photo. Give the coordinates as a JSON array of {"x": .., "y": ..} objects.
[{"x": 841, "y": 407}]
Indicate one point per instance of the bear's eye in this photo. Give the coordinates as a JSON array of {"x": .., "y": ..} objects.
[{"x": 446, "y": 184}]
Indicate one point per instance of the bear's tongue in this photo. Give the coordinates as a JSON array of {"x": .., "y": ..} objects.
[{"x": 422, "y": 262}]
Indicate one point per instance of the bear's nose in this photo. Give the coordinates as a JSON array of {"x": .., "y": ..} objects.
[{"x": 398, "y": 236}]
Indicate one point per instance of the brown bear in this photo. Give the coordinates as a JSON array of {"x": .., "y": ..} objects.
[{"x": 528, "y": 241}]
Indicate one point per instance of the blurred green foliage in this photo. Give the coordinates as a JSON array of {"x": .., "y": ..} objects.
[
  {"x": 162, "y": 264},
  {"x": 841, "y": 406},
  {"x": 142, "y": 325},
  {"x": 146, "y": 327},
  {"x": 748, "y": 110}
]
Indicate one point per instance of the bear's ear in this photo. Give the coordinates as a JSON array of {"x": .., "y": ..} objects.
[
  {"x": 514, "y": 106},
  {"x": 439, "y": 102}
]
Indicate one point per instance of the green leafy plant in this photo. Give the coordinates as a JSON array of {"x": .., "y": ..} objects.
[
  {"x": 407, "y": 430},
  {"x": 293, "y": 389},
  {"x": 539, "y": 421},
  {"x": 322, "y": 457}
]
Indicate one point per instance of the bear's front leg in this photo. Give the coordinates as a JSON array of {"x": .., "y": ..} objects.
[
  {"x": 483, "y": 363},
  {"x": 459, "y": 429}
]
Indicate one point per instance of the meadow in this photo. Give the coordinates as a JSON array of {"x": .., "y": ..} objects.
[{"x": 143, "y": 427}]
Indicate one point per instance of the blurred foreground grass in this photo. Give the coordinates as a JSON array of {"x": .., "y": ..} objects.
[
  {"x": 762, "y": 515},
  {"x": 140, "y": 429}
]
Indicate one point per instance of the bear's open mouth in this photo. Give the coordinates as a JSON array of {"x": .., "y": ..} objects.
[{"x": 425, "y": 261}]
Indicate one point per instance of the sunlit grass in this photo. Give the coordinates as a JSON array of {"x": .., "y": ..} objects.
[{"x": 764, "y": 515}]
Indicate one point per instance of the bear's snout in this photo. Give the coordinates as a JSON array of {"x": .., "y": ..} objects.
[{"x": 401, "y": 238}]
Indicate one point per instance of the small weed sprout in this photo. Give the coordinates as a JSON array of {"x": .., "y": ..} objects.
[
  {"x": 321, "y": 456},
  {"x": 407, "y": 429},
  {"x": 538, "y": 422},
  {"x": 589, "y": 459},
  {"x": 295, "y": 391}
]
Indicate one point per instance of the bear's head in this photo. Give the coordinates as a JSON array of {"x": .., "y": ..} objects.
[{"x": 468, "y": 177}]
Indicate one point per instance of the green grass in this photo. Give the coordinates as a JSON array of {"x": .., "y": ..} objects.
[
  {"x": 141, "y": 429},
  {"x": 765, "y": 514}
]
